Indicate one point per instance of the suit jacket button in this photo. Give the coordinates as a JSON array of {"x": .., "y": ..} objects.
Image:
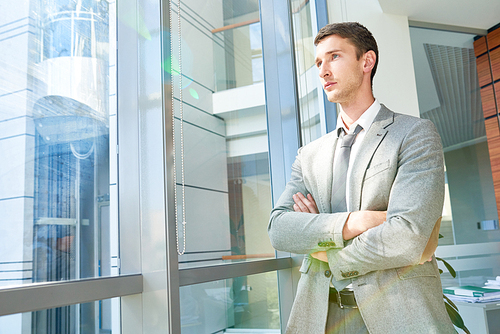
[
  {"x": 355, "y": 273},
  {"x": 331, "y": 244},
  {"x": 320, "y": 244},
  {"x": 328, "y": 273},
  {"x": 344, "y": 275}
]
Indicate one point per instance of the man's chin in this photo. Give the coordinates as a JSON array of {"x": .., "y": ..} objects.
[{"x": 333, "y": 98}]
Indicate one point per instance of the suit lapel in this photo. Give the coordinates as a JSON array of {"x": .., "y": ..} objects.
[
  {"x": 323, "y": 172},
  {"x": 371, "y": 142}
]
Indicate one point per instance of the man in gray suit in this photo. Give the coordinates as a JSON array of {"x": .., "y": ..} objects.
[{"x": 363, "y": 202}]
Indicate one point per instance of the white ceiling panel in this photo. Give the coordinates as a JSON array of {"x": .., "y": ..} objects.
[{"x": 478, "y": 14}]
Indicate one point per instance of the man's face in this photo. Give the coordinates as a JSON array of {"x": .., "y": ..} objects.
[{"x": 340, "y": 72}]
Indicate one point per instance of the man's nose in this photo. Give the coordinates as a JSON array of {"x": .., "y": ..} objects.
[{"x": 324, "y": 72}]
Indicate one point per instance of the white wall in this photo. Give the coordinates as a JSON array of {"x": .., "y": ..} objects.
[{"x": 394, "y": 82}]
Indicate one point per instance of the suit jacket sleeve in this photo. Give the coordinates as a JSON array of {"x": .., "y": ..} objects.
[
  {"x": 415, "y": 203},
  {"x": 299, "y": 232}
]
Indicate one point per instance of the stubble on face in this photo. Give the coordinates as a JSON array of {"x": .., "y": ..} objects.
[
  {"x": 346, "y": 71},
  {"x": 347, "y": 90}
]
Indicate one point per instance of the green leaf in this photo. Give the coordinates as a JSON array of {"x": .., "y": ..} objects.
[
  {"x": 456, "y": 319},
  {"x": 440, "y": 271},
  {"x": 448, "y": 266},
  {"x": 450, "y": 302},
  {"x": 440, "y": 236}
]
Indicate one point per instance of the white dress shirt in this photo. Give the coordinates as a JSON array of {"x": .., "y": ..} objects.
[{"x": 365, "y": 121}]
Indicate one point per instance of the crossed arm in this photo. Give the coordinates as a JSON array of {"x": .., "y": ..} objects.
[
  {"x": 414, "y": 202},
  {"x": 357, "y": 223}
]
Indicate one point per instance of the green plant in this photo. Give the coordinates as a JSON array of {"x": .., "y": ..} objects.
[{"x": 451, "y": 308}]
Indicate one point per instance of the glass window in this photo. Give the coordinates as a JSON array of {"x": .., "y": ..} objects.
[
  {"x": 226, "y": 166},
  {"x": 246, "y": 304},
  {"x": 310, "y": 90},
  {"x": 448, "y": 95},
  {"x": 101, "y": 317},
  {"x": 58, "y": 198}
]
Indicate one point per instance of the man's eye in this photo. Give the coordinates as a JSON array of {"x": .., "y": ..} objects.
[
  {"x": 335, "y": 56},
  {"x": 318, "y": 64}
]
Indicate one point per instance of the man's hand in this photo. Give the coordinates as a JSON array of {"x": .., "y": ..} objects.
[
  {"x": 361, "y": 221},
  {"x": 304, "y": 204},
  {"x": 320, "y": 256}
]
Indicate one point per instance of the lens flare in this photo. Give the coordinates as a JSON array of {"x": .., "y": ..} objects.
[{"x": 194, "y": 93}]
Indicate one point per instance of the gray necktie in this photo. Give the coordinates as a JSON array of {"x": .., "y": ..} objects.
[{"x": 341, "y": 165}]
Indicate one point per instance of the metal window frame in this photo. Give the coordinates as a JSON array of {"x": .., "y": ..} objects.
[
  {"x": 282, "y": 107},
  {"x": 173, "y": 284},
  {"x": 226, "y": 271},
  {"x": 20, "y": 299}
]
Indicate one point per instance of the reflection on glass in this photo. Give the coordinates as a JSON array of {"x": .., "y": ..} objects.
[
  {"x": 246, "y": 304},
  {"x": 100, "y": 317},
  {"x": 57, "y": 106},
  {"x": 238, "y": 60},
  {"x": 448, "y": 94},
  {"x": 309, "y": 88},
  {"x": 228, "y": 193},
  {"x": 72, "y": 32}
]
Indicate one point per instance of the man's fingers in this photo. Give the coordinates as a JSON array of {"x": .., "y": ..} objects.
[
  {"x": 308, "y": 202},
  {"x": 301, "y": 198},
  {"x": 314, "y": 207},
  {"x": 310, "y": 197},
  {"x": 298, "y": 202},
  {"x": 304, "y": 204}
]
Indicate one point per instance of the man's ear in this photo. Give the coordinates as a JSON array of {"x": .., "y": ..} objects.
[{"x": 370, "y": 57}]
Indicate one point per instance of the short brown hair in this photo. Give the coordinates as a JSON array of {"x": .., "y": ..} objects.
[{"x": 357, "y": 34}]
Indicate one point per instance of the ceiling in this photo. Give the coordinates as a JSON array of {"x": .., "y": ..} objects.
[{"x": 478, "y": 14}]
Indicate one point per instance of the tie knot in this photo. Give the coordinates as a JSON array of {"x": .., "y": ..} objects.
[{"x": 348, "y": 139}]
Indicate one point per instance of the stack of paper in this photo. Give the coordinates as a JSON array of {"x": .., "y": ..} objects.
[
  {"x": 494, "y": 283},
  {"x": 472, "y": 294}
]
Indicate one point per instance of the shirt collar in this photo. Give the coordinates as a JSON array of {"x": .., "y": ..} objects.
[{"x": 365, "y": 120}]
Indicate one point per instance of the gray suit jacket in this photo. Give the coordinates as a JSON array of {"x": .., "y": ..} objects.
[{"x": 399, "y": 168}]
